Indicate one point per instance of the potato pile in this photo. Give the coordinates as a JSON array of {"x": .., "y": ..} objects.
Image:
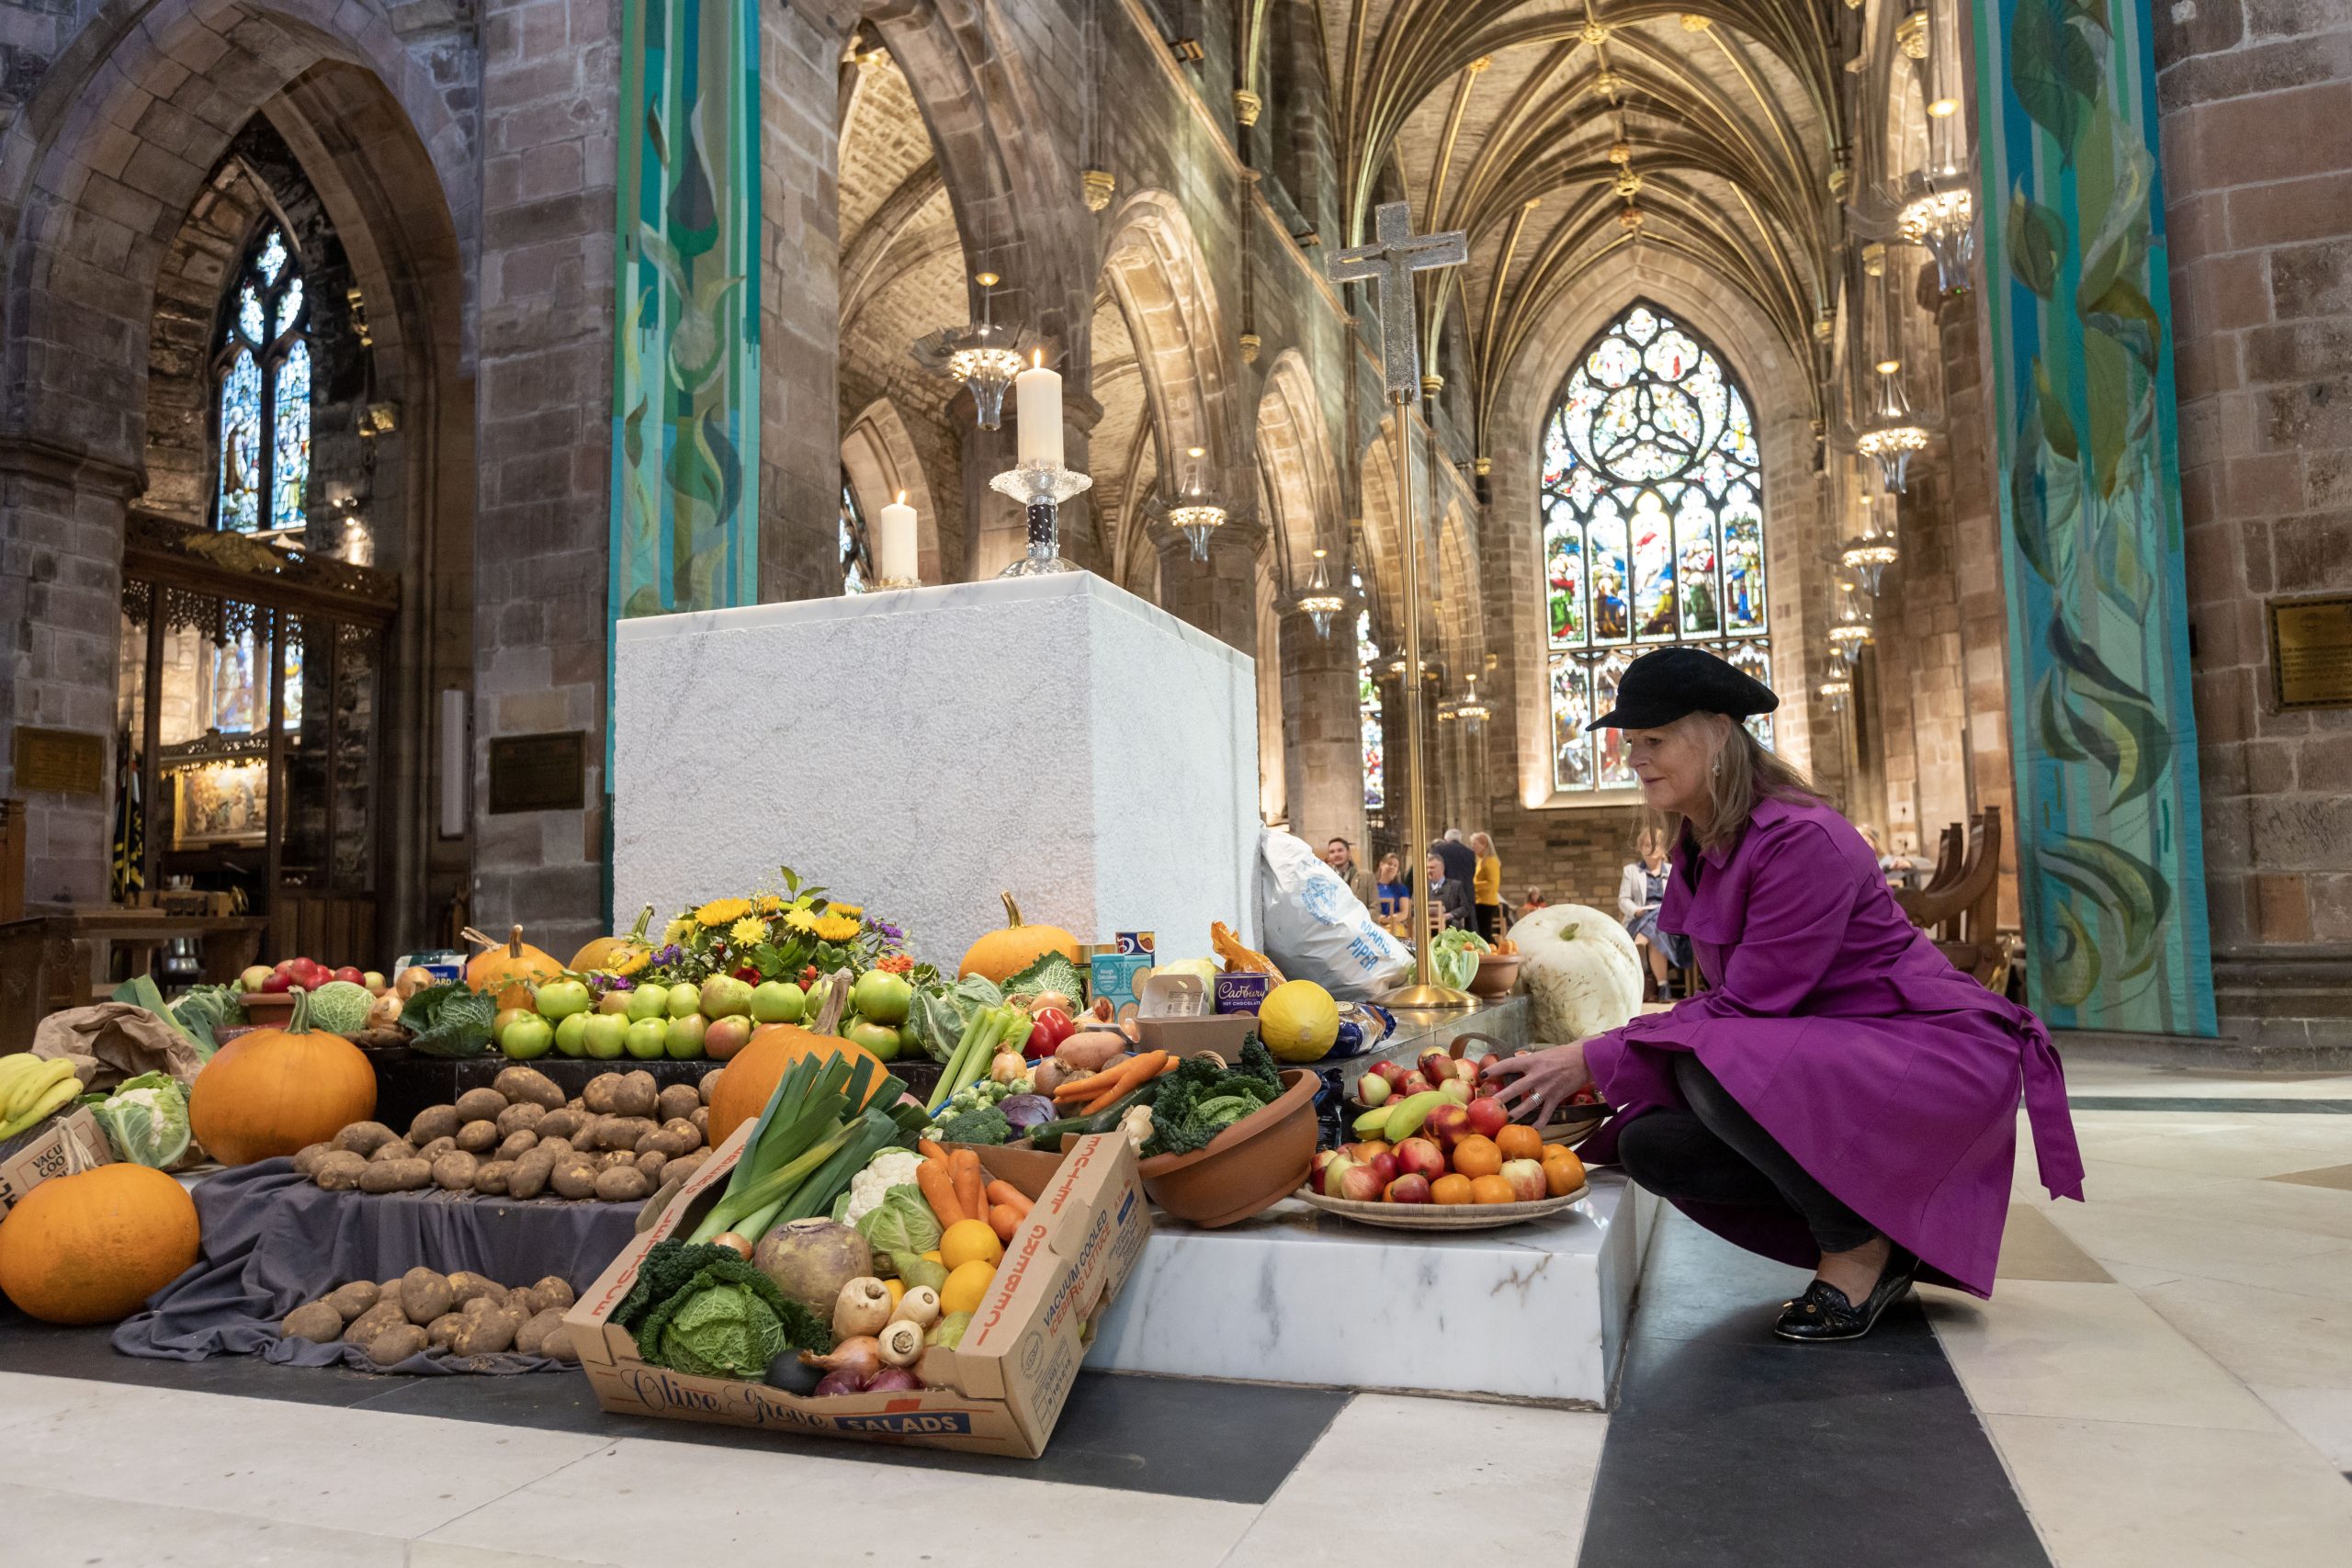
[
  {"x": 619, "y": 1142},
  {"x": 459, "y": 1314}
]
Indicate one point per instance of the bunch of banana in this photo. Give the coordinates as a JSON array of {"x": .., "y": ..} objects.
[{"x": 33, "y": 1087}]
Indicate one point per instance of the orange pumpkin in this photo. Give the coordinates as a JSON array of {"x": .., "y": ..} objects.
[
  {"x": 752, "y": 1075},
  {"x": 275, "y": 1092},
  {"x": 91, "y": 1246},
  {"x": 618, "y": 954},
  {"x": 999, "y": 955},
  {"x": 513, "y": 967}
]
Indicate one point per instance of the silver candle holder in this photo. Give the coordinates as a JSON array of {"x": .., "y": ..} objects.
[{"x": 1041, "y": 488}]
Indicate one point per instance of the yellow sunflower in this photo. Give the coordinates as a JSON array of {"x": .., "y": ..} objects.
[
  {"x": 801, "y": 921},
  {"x": 851, "y": 911},
  {"x": 720, "y": 911},
  {"x": 748, "y": 930},
  {"x": 768, "y": 903},
  {"x": 835, "y": 927},
  {"x": 676, "y": 931}
]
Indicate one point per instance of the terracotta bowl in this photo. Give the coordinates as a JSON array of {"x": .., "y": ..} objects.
[
  {"x": 1248, "y": 1169},
  {"x": 1498, "y": 973}
]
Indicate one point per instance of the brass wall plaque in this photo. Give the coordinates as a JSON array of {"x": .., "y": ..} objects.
[
  {"x": 538, "y": 772},
  {"x": 2311, "y": 652},
  {"x": 63, "y": 761}
]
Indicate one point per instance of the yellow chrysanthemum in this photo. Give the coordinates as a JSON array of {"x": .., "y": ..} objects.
[
  {"x": 801, "y": 921},
  {"x": 851, "y": 911},
  {"x": 677, "y": 931},
  {"x": 768, "y": 903},
  {"x": 836, "y": 928},
  {"x": 748, "y": 930},
  {"x": 720, "y": 911}
]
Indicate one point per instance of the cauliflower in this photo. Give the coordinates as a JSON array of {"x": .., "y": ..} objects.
[{"x": 891, "y": 1168}]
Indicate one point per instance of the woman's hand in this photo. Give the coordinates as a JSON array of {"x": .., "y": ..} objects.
[{"x": 1543, "y": 1080}]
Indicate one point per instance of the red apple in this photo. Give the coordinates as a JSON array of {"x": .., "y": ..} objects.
[
  {"x": 1383, "y": 1164},
  {"x": 1435, "y": 1064},
  {"x": 1336, "y": 1173},
  {"x": 1359, "y": 1185},
  {"x": 1418, "y": 1157},
  {"x": 1487, "y": 1116},
  {"x": 1414, "y": 1084},
  {"x": 277, "y": 985},
  {"x": 355, "y": 976},
  {"x": 1448, "y": 1124},
  {"x": 1409, "y": 1190},
  {"x": 1322, "y": 1158},
  {"x": 1394, "y": 1072},
  {"x": 1526, "y": 1178},
  {"x": 1488, "y": 1060},
  {"x": 1363, "y": 1153},
  {"x": 1371, "y": 1089},
  {"x": 1455, "y": 1090}
]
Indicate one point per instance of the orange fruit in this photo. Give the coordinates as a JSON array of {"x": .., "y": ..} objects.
[
  {"x": 1450, "y": 1190},
  {"x": 1563, "y": 1172},
  {"x": 1519, "y": 1141},
  {"x": 1491, "y": 1190},
  {"x": 1476, "y": 1155}
]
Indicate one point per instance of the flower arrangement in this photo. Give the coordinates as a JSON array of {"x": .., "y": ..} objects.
[{"x": 796, "y": 935}]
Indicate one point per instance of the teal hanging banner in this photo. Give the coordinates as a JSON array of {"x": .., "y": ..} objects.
[
  {"x": 2110, "y": 856},
  {"x": 687, "y": 355}
]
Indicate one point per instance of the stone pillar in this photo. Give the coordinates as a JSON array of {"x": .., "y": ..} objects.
[
  {"x": 543, "y": 473},
  {"x": 1931, "y": 638},
  {"x": 1220, "y": 594},
  {"x": 1322, "y": 730}
]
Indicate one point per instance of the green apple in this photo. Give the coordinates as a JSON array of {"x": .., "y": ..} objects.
[
  {"x": 778, "y": 1002},
  {"x": 646, "y": 1001},
  {"x": 571, "y": 1034},
  {"x": 373, "y": 979},
  {"x": 507, "y": 1018},
  {"x": 562, "y": 999},
  {"x": 528, "y": 1037},
  {"x": 682, "y": 1040},
  {"x": 723, "y": 995},
  {"x": 603, "y": 1036},
  {"x": 685, "y": 1001},
  {"x": 882, "y": 996},
  {"x": 878, "y": 1038},
  {"x": 255, "y": 978},
  {"x": 644, "y": 1039},
  {"x": 614, "y": 1003}
]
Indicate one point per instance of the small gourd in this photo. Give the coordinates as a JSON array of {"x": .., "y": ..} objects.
[
  {"x": 511, "y": 967},
  {"x": 618, "y": 954}
]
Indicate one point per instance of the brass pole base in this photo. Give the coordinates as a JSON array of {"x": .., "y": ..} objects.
[{"x": 1427, "y": 996}]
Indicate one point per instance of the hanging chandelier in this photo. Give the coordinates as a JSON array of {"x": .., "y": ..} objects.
[
  {"x": 1894, "y": 433},
  {"x": 1868, "y": 553},
  {"x": 1852, "y": 629},
  {"x": 1941, "y": 219},
  {"x": 1321, "y": 602},
  {"x": 1192, "y": 511},
  {"x": 1468, "y": 709},
  {"x": 1836, "y": 688},
  {"x": 985, "y": 355}
]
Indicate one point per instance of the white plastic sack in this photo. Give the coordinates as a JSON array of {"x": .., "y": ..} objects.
[{"x": 1314, "y": 929}]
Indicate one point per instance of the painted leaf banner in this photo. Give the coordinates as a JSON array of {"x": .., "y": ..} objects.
[
  {"x": 2055, "y": 68},
  {"x": 2120, "y": 882},
  {"x": 2037, "y": 239},
  {"x": 2124, "y": 734}
]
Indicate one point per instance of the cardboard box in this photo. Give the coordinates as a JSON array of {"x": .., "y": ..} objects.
[
  {"x": 33, "y": 1157},
  {"x": 1004, "y": 1387},
  {"x": 1223, "y": 1033}
]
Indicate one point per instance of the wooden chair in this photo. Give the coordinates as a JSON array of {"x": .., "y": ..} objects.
[
  {"x": 1952, "y": 854},
  {"x": 1962, "y": 913}
]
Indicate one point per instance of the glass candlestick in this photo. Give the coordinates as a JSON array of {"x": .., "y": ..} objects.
[{"x": 1042, "y": 487}]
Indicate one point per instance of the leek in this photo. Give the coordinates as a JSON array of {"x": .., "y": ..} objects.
[{"x": 809, "y": 1118}]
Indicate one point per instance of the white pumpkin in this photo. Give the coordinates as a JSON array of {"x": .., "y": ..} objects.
[{"x": 1582, "y": 971}]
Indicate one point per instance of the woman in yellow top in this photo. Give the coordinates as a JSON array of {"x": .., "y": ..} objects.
[{"x": 1486, "y": 887}]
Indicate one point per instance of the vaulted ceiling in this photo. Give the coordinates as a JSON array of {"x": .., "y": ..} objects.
[{"x": 1561, "y": 133}]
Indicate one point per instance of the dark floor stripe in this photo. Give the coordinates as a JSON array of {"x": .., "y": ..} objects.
[
  {"x": 1130, "y": 1433},
  {"x": 1731, "y": 1449},
  {"x": 2210, "y": 1102}
]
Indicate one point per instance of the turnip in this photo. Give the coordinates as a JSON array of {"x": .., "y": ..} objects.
[{"x": 810, "y": 1260}]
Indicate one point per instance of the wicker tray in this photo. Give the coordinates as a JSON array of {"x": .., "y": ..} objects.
[{"x": 1439, "y": 1216}]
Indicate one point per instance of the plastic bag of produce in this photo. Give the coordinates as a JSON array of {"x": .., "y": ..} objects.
[{"x": 1315, "y": 930}]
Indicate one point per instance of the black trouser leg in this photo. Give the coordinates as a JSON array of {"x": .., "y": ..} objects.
[{"x": 1716, "y": 1152}]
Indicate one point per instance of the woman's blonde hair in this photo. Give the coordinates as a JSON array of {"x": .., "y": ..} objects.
[
  {"x": 1740, "y": 772},
  {"x": 1649, "y": 829},
  {"x": 1481, "y": 838}
]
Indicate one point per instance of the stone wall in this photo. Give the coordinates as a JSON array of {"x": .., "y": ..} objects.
[{"x": 2255, "y": 97}]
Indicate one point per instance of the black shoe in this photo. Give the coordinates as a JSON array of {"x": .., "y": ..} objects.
[{"x": 1823, "y": 1313}]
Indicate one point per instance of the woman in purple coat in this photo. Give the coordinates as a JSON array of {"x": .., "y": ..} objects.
[{"x": 1841, "y": 1098}]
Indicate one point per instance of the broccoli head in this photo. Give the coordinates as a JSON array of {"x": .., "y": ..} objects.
[{"x": 985, "y": 1125}]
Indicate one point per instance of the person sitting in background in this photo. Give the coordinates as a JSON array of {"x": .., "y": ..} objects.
[
  {"x": 1897, "y": 869},
  {"x": 1449, "y": 898},
  {"x": 1534, "y": 902},
  {"x": 1341, "y": 856},
  {"x": 1641, "y": 892},
  {"x": 1392, "y": 886},
  {"x": 1486, "y": 886}
]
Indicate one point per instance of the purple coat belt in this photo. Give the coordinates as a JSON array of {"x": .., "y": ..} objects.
[{"x": 1891, "y": 1077}]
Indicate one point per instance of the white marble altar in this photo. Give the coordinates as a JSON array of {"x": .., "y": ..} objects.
[
  {"x": 1297, "y": 1296},
  {"x": 921, "y": 750}
]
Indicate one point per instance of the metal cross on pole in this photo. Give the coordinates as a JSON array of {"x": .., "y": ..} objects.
[{"x": 1389, "y": 263}]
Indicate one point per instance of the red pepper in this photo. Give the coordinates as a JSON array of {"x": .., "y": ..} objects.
[{"x": 1048, "y": 1027}]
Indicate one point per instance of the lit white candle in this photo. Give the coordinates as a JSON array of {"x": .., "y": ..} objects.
[
  {"x": 894, "y": 543},
  {"x": 1039, "y": 411}
]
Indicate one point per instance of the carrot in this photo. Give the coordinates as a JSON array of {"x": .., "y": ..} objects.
[
  {"x": 939, "y": 1190},
  {"x": 1131, "y": 1077},
  {"x": 971, "y": 1193},
  {"x": 1004, "y": 1193},
  {"x": 929, "y": 1150},
  {"x": 1004, "y": 1219},
  {"x": 1091, "y": 1084}
]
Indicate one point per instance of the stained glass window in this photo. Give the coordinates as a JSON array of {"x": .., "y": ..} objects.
[
  {"x": 1376, "y": 749},
  {"x": 1653, "y": 528},
  {"x": 857, "y": 558},
  {"x": 264, "y": 370}
]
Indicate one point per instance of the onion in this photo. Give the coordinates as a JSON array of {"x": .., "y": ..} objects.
[
  {"x": 839, "y": 1383},
  {"x": 1049, "y": 1000},
  {"x": 894, "y": 1380},
  {"x": 859, "y": 1353},
  {"x": 739, "y": 1245}
]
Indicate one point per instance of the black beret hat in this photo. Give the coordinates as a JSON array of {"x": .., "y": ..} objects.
[{"x": 1665, "y": 684}]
